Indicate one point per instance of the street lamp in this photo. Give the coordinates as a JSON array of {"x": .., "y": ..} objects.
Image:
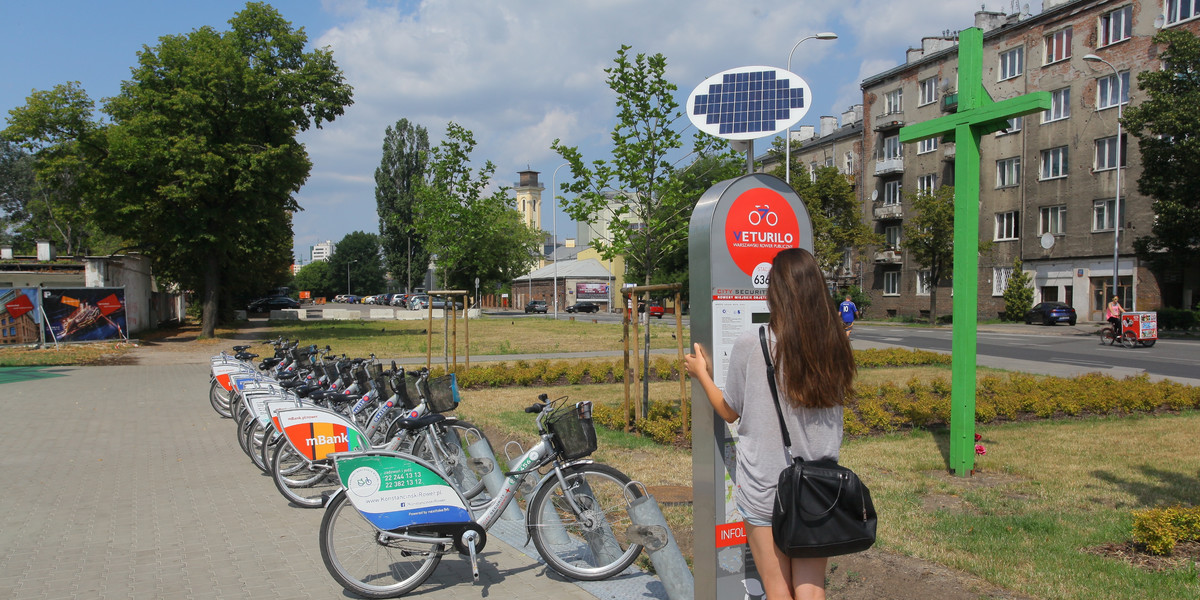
[
  {"x": 553, "y": 212},
  {"x": 787, "y": 139},
  {"x": 1117, "y": 196},
  {"x": 348, "y": 275}
]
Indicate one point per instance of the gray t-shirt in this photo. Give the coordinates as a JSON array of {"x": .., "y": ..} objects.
[{"x": 816, "y": 432}]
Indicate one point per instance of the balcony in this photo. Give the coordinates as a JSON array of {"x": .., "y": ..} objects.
[
  {"x": 888, "y": 211},
  {"x": 888, "y": 121},
  {"x": 950, "y": 103},
  {"x": 948, "y": 151},
  {"x": 888, "y": 166},
  {"x": 888, "y": 257}
]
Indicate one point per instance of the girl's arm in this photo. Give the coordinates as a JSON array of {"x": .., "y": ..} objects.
[{"x": 698, "y": 367}]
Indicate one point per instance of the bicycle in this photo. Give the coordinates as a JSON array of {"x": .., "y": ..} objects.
[
  {"x": 1111, "y": 336},
  {"x": 384, "y": 533}
]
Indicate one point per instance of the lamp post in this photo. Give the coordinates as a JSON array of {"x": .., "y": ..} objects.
[
  {"x": 787, "y": 137},
  {"x": 554, "y": 219},
  {"x": 348, "y": 275},
  {"x": 1117, "y": 196}
]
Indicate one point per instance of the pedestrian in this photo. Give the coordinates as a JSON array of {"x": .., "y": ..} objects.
[
  {"x": 815, "y": 368},
  {"x": 849, "y": 312}
]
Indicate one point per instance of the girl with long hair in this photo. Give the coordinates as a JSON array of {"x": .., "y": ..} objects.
[{"x": 814, "y": 370}]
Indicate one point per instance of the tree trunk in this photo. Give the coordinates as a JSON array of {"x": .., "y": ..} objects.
[
  {"x": 212, "y": 285},
  {"x": 932, "y": 302}
]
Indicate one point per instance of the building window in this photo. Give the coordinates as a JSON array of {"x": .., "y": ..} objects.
[
  {"x": 1106, "y": 153},
  {"x": 1052, "y": 219},
  {"x": 928, "y": 91},
  {"x": 1116, "y": 26},
  {"x": 926, "y": 184},
  {"x": 891, "y": 234},
  {"x": 1014, "y": 126},
  {"x": 891, "y": 283},
  {"x": 848, "y": 164},
  {"x": 829, "y": 161},
  {"x": 1058, "y": 46},
  {"x": 1060, "y": 106},
  {"x": 1008, "y": 225},
  {"x": 1182, "y": 10},
  {"x": 923, "y": 287},
  {"x": 812, "y": 171},
  {"x": 893, "y": 101},
  {"x": 891, "y": 147},
  {"x": 891, "y": 192},
  {"x": 1012, "y": 63},
  {"x": 1000, "y": 277},
  {"x": 927, "y": 145},
  {"x": 1102, "y": 214},
  {"x": 1054, "y": 163},
  {"x": 1112, "y": 90},
  {"x": 1008, "y": 172}
]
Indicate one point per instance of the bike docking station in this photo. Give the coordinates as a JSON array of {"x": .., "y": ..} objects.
[
  {"x": 736, "y": 230},
  {"x": 730, "y": 252}
]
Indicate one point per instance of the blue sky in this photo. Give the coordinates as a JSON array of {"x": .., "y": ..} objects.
[{"x": 518, "y": 73}]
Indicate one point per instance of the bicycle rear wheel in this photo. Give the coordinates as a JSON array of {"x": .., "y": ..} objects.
[
  {"x": 219, "y": 398},
  {"x": 302, "y": 482},
  {"x": 364, "y": 565},
  {"x": 1107, "y": 336},
  {"x": 591, "y": 544},
  {"x": 454, "y": 440}
]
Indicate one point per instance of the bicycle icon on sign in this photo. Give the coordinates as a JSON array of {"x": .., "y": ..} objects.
[{"x": 763, "y": 212}]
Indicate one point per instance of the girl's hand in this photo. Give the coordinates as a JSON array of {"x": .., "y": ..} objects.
[{"x": 697, "y": 363}]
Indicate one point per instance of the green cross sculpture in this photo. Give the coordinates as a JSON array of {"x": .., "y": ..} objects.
[{"x": 977, "y": 115}]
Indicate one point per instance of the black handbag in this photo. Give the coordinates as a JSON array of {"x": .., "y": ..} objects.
[{"x": 821, "y": 508}]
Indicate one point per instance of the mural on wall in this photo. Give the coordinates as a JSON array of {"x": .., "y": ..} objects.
[
  {"x": 20, "y": 319},
  {"x": 84, "y": 314}
]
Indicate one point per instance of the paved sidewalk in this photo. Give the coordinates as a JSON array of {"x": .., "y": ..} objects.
[{"x": 123, "y": 483}]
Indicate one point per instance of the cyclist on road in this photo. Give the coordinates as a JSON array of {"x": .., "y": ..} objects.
[
  {"x": 849, "y": 311},
  {"x": 1113, "y": 314}
]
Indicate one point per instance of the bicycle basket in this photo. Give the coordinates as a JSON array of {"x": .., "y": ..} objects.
[
  {"x": 405, "y": 389},
  {"x": 573, "y": 430},
  {"x": 360, "y": 375},
  {"x": 441, "y": 394}
]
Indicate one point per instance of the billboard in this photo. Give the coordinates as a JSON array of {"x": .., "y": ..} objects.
[
  {"x": 84, "y": 314},
  {"x": 591, "y": 291},
  {"x": 20, "y": 319}
]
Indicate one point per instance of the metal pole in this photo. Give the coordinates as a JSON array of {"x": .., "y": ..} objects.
[
  {"x": 787, "y": 135},
  {"x": 553, "y": 217},
  {"x": 1116, "y": 217}
]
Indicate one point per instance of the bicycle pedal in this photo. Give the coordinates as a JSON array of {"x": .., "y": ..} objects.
[{"x": 470, "y": 538}]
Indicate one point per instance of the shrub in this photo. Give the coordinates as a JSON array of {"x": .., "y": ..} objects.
[
  {"x": 1177, "y": 318},
  {"x": 1158, "y": 529},
  {"x": 1018, "y": 294}
]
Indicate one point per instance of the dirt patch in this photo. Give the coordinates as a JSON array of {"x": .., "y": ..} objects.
[
  {"x": 879, "y": 575},
  {"x": 1185, "y": 553}
]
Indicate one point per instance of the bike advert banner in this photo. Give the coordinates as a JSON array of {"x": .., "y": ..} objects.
[
  {"x": 393, "y": 492},
  {"x": 591, "y": 291},
  {"x": 84, "y": 314},
  {"x": 317, "y": 433},
  {"x": 20, "y": 320}
]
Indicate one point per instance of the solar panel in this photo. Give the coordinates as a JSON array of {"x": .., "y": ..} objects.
[{"x": 748, "y": 102}]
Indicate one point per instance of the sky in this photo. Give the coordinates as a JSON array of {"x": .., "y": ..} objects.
[{"x": 517, "y": 73}]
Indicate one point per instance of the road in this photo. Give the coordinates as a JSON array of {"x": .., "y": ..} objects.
[{"x": 1057, "y": 350}]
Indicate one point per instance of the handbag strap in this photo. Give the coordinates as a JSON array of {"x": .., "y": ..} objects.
[{"x": 762, "y": 341}]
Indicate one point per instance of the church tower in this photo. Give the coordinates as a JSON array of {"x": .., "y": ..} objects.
[{"x": 529, "y": 198}]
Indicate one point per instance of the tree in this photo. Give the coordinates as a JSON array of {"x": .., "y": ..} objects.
[
  {"x": 200, "y": 162},
  {"x": 647, "y": 227},
  {"x": 472, "y": 234},
  {"x": 1018, "y": 293},
  {"x": 1167, "y": 127},
  {"x": 835, "y": 214},
  {"x": 318, "y": 278},
  {"x": 401, "y": 171},
  {"x": 929, "y": 238},
  {"x": 360, "y": 252}
]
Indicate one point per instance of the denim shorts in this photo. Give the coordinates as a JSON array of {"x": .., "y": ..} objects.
[{"x": 752, "y": 520}]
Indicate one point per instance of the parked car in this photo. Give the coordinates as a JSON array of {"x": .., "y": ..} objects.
[
  {"x": 399, "y": 300},
  {"x": 368, "y": 299},
  {"x": 536, "y": 306},
  {"x": 272, "y": 303},
  {"x": 583, "y": 306},
  {"x": 351, "y": 299},
  {"x": 418, "y": 302},
  {"x": 656, "y": 309},
  {"x": 441, "y": 303},
  {"x": 1049, "y": 313}
]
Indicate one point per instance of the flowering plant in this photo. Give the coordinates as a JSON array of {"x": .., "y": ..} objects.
[{"x": 979, "y": 448}]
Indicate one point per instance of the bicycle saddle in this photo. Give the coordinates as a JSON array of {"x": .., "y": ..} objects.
[{"x": 419, "y": 422}]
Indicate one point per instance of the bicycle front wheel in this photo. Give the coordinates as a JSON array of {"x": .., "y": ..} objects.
[
  {"x": 1128, "y": 340},
  {"x": 363, "y": 564},
  {"x": 590, "y": 543}
]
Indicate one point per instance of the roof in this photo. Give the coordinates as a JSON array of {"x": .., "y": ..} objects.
[
  {"x": 564, "y": 253},
  {"x": 575, "y": 269}
]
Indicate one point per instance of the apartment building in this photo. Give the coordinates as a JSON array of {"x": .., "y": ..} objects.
[{"x": 1049, "y": 182}]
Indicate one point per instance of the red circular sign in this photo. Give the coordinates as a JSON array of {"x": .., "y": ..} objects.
[{"x": 760, "y": 223}]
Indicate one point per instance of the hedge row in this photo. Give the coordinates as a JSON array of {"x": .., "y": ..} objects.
[{"x": 1158, "y": 529}]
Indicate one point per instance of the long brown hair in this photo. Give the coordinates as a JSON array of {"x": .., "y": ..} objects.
[{"x": 812, "y": 353}]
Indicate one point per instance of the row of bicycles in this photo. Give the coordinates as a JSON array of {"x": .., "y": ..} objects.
[{"x": 404, "y": 483}]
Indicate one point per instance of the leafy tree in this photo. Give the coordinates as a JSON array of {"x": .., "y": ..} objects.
[
  {"x": 929, "y": 238},
  {"x": 200, "y": 162},
  {"x": 17, "y": 181},
  {"x": 1167, "y": 127},
  {"x": 1018, "y": 293},
  {"x": 400, "y": 173},
  {"x": 316, "y": 277},
  {"x": 472, "y": 234},
  {"x": 650, "y": 225},
  {"x": 835, "y": 214},
  {"x": 359, "y": 251}
]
